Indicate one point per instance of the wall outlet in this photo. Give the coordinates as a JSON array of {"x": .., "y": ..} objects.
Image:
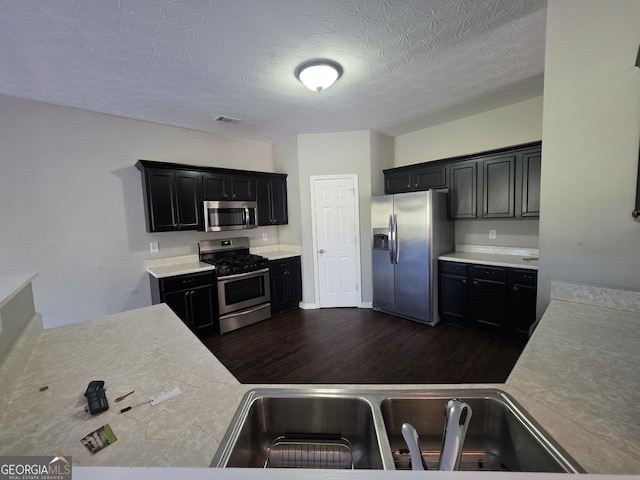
[
  {"x": 153, "y": 246},
  {"x": 492, "y": 234},
  {"x": 265, "y": 236}
]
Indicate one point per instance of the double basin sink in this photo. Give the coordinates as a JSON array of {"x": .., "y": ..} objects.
[{"x": 336, "y": 428}]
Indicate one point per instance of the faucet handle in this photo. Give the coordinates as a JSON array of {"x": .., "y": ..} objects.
[
  {"x": 413, "y": 442},
  {"x": 457, "y": 417}
]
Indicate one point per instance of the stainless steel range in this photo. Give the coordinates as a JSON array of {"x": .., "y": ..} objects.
[{"x": 244, "y": 292}]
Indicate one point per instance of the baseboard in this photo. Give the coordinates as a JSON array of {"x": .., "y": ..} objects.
[
  {"x": 366, "y": 305},
  {"x": 308, "y": 306}
]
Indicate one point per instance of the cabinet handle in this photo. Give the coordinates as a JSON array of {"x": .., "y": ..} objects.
[{"x": 635, "y": 213}]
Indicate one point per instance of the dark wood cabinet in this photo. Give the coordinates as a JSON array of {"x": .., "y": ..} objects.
[
  {"x": 521, "y": 302},
  {"x": 463, "y": 190},
  {"x": 453, "y": 293},
  {"x": 174, "y": 194},
  {"x": 498, "y": 187},
  {"x": 530, "y": 191},
  {"x": 221, "y": 186},
  {"x": 415, "y": 178},
  {"x": 503, "y": 183},
  {"x": 488, "y": 299},
  {"x": 193, "y": 298},
  {"x": 173, "y": 199},
  {"x": 499, "y": 301},
  {"x": 272, "y": 199},
  {"x": 286, "y": 284}
]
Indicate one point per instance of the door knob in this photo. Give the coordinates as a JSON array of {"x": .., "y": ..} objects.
[{"x": 321, "y": 251}]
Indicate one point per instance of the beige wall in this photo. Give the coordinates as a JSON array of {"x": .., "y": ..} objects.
[
  {"x": 361, "y": 153},
  {"x": 591, "y": 127},
  {"x": 72, "y": 206},
  {"x": 502, "y": 127}
]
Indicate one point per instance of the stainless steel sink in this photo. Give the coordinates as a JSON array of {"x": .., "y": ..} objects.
[
  {"x": 312, "y": 429},
  {"x": 501, "y": 435},
  {"x": 338, "y": 428}
]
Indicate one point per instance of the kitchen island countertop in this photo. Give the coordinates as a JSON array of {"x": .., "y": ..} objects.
[{"x": 564, "y": 378}]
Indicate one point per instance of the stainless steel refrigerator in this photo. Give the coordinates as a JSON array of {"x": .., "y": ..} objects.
[{"x": 410, "y": 230}]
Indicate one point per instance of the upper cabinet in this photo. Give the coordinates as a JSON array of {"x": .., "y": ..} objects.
[
  {"x": 272, "y": 199},
  {"x": 415, "y": 178},
  {"x": 530, "y": 175},
  {"x": 220, "y": 186},
  {"x": 502, "y": 183},
  {"x": 173, "y": 199},
  {"x": 174, "y": 194}
]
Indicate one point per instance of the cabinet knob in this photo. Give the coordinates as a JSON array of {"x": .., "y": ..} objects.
[
  {"x": 635, "y": 213},
  {"x": 464, "y": 281},
  {"x": 515, "y": 289},
  {"x": 475, "y": 283}
]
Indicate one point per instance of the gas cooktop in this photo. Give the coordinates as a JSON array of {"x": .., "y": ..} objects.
[{"x": 231, "y": 256}]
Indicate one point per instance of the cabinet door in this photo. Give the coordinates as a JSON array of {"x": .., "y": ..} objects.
[
  {"x": 498, "y": 187},
  {"x": 216, "y": 186},
  {"x": 279, "y": 201},
  {"x": 243, "y": 188},
  {"x": 453, "y": 299},
  {"x": 429, "y": 177},
  {"x": 272, "y": 200},
  {"x": 204, "y": 308},
  {"x": 463, "y": 178},
  {"x": 397, "y": 182},
  {"x": 265, "y": 205},
  {"x": 179, "y": 303},
  {"x": 278, "y": 282},
  {"x": 161, "y": 215},
  {"x": 294, "y": 282},
  {"x": 188, "y": 200},
  {"x": 488, "y": 299},
  {"x": 521, "y": 307},
  {"x": 531, "y": 170}
]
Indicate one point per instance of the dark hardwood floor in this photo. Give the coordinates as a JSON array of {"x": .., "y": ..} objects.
[{"x": 354, "y": 346}]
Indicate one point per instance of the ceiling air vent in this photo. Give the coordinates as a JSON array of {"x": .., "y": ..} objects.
[{"x": 230, "y": 120}]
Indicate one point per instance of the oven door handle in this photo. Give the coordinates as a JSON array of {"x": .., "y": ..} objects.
[
  {"x": 240, "y": 275},
  {"x": 246, "y": 312}
]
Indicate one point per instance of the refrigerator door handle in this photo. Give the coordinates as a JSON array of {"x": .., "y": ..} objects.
[
  {"x": 396, "y": 242},
  {"x": 392, "y": 242}
]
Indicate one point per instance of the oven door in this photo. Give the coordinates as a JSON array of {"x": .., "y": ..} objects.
[
  {"x": 221, "y": 216},
  {"x": 244, "y": 290}
]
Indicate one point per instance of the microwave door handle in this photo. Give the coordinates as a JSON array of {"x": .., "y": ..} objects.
[{"x": 246, "y": 216}]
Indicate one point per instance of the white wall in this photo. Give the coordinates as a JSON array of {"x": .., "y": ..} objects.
[
  {"x": 591, "y": 127},
  {"x": 72, "y": 207}
]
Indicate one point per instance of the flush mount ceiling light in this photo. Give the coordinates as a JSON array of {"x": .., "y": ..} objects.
[{"x": 317, "y": 75}]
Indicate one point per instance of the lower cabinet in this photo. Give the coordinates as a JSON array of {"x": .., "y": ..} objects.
[
  {"x": 193, "y": 298},
  {"x": 496, "y": 300},
  {"x": 286, "y": 284}
]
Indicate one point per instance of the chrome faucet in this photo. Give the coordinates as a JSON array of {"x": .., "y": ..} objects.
[{"x": 457, "y": 416}]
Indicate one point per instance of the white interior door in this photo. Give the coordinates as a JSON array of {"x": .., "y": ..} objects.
[{"x": 336, "y": 240}]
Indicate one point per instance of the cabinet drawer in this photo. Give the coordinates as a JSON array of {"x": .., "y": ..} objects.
[
  {"x": 183, "y": 282},
  {"x": 455, "y": 268},
  {"x": 496, "y": 274},
  {"x": 524, "y": 277},
  {"x": 284, "y": 263}
]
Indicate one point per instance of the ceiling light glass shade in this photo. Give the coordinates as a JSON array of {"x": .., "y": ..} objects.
[{"x": 317, "y": 75}]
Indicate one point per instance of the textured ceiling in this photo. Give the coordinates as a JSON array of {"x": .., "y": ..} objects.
[{"x": 408, "y": 64}]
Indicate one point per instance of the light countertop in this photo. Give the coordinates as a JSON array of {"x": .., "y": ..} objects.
[
  {"x": 497, "y": 256},
  {"x": 576, "y": 377},
  {"x": 186, "y": 264}
]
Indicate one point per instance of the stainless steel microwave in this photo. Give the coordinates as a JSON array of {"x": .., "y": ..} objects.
[{"x": 229, "y": 215}]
